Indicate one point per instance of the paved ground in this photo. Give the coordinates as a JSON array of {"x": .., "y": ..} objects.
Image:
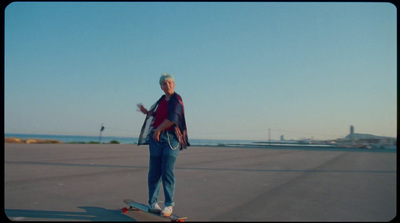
[{"x": 89, "y": 182}]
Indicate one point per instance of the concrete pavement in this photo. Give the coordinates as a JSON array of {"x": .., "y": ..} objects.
[{"x": 70, "y": 182}]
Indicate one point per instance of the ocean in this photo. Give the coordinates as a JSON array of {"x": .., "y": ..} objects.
[
  {"x": 199, "y": 142},
  {"x": 122, "y": 140}
]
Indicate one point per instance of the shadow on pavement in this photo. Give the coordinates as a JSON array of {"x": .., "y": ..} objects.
[{"x": 91, "y": 214}]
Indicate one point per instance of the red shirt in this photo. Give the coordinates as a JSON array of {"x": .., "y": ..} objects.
[{"x": 161, "y": 114}]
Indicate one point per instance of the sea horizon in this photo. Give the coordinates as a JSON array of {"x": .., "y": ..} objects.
[
  {"x": 260, "y": 144},
  {"x": 120, "y": 139}
]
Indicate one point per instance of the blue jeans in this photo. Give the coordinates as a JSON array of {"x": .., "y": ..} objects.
[{"x": 161, "y": 167}]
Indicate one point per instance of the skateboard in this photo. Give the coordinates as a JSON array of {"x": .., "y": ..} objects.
[{"x": 142, "y": 207}]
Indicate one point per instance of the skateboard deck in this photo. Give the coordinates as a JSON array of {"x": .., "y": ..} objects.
[{"x": 145, "y": 208}]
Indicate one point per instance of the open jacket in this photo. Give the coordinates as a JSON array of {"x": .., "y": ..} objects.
[{"x": 176, "y": 114}]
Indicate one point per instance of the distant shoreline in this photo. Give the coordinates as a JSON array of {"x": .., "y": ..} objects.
[
  {"x": 84, "y": 139},
  {"x": 31, "y": 141},
  {"x": 273, "y": 144},
  {"x": 15, "y": 140},
  {"x": 49, "y": 141}
]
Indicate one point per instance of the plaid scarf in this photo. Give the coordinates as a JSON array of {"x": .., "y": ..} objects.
[{"x": 176, "y": 114}]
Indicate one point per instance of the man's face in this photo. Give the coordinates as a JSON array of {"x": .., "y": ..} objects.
[{"x": 168, "y": 86}]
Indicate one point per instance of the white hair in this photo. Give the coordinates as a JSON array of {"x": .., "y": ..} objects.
[{"x": 166, "y": 76}]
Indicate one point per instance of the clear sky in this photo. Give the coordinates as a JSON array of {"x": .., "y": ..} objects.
[{"x": 300, "y": 69}]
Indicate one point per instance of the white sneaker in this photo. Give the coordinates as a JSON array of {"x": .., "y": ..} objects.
[
  {"x": 167, "y": 211},
  {"x": 155, "y": 208}
]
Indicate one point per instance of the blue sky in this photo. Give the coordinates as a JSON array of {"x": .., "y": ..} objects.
[{"x": 300, "y": 69}]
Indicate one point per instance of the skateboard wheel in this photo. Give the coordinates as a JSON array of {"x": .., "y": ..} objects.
[{"x": 124, "y": 210}]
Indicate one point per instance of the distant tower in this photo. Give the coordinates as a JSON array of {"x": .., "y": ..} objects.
[
  {"x": 351, "y": 132},
  {"x": 282, "y": 138}
]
